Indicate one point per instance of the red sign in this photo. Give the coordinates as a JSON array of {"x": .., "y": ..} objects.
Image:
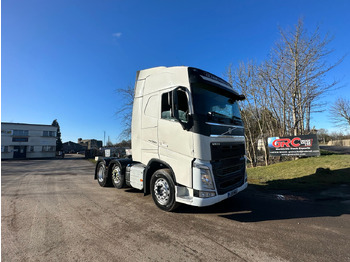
[
  {"x": 303, "y": 145},
  {"x": 295, "y": 142}
]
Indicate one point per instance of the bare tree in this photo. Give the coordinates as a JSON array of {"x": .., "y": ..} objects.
[
  {"x": 323, "y": 135},
  {"x": 284, "y": 90},
  {"x": 340, "y": 112},
  {"x": 301, "y": 65},
  {"x": 255, "y": 110},
  {"x": 124, "y": 111}
]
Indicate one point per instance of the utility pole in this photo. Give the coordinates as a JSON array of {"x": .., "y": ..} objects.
[{"x": 104, "y": 138}]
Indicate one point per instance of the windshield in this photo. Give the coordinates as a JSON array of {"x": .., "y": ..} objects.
[{"x": 219, "y": 108}]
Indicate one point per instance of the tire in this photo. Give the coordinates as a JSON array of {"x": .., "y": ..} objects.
[
  {"x": 163, "y": 190},
  {"x": 102, "y": 176},
  {"x": 117, "y": 176}
]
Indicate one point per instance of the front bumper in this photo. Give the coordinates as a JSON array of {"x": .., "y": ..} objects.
[{"x": 201, "y": 202}]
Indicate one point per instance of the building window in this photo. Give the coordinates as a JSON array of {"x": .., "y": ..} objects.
[
  {"x": 6, "y": 132},
  {"x": 19, "y": 139},
  {"x": 4, "y": 149},
  {"x": 31, "y": 149},
  {"x": 20, "y": 136},
  {"x": 49, "y": 133},
  {"x": 49, "y": 148},
  {"x": 20, "y": 132}
]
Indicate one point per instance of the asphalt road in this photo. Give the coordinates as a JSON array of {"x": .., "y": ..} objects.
[
  {"x": 53, "y": 210},
  {"x": 337, "y": 149}
]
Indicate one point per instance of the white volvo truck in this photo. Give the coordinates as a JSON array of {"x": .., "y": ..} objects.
[{"x": 187, "y": 140}]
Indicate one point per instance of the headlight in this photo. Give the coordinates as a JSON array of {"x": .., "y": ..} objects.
[{"x": 206, "y": 178}]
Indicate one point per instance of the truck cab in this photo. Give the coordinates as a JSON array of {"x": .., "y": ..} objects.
[{"x": 187, "y": 139}]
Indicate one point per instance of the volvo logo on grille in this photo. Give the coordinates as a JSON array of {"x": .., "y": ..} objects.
[{"x": 229, "y": 131}]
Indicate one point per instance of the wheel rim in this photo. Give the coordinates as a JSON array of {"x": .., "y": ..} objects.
[
  {"x": 162, "y": 191},
  {"x": 116, "y": 175},
  {"x": 101, "y": 174}
]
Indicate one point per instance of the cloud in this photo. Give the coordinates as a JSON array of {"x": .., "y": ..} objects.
[{"x": 117, "y": 35}]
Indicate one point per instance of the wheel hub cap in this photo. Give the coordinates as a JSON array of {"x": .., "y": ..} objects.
[
  {"x": 116, "y": 175},
  {"x": 100, "y": 174},
  {"x": 162, "y": 191}
]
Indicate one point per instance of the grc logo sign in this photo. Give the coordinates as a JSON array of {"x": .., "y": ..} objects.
[
  {"x": 295, "y": 142},
  {"x": 303, "y": 145}
]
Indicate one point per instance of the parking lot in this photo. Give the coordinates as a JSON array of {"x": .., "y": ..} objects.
[{"x": 53, "y": 210}]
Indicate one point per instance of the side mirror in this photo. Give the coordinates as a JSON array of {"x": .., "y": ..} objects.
[
  {"x": 241, "y": 97},
  {"x": 175, "y": 110}
]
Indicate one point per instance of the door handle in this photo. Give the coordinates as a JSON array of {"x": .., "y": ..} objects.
[
  {"x": 163, "y": 144},
  {"x": 152, "y": 141}
]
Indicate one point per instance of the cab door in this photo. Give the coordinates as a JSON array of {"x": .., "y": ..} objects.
[{"x": 176, "y": 143}]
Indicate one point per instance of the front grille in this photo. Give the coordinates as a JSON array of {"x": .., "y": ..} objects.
[
  {"x": 228, "y": 165},
  {"x": 230, "y": 169},
  {"x": 226, "y": 150}
]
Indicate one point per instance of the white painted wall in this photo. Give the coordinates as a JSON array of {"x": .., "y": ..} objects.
[{"x": 36, "y": 139}]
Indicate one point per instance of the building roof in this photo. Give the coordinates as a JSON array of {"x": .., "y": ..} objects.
[{"x": 9, "y": 123}]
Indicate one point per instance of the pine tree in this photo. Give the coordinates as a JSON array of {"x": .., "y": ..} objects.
[{"x": 58, "y": 136}]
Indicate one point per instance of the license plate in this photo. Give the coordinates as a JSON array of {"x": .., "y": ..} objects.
[{"x": 232, "y": 193}]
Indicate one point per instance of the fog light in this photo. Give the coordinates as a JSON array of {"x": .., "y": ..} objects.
[{"x": 206, "y": 194}]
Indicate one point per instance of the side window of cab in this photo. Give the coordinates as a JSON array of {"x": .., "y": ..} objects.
[
  {"x": 182, "y": 106},
  {"x": 166, "y": 106}
]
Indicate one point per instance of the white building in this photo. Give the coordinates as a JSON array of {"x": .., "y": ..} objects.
[{"x": 27, "y": 141}]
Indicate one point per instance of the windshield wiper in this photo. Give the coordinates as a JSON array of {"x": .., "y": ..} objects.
[
  {"x": 213, "y": 113},
  {"x": 236, "y": 118}
]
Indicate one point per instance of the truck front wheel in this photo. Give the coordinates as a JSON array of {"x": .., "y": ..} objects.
[{"x": 163, "y": 190}]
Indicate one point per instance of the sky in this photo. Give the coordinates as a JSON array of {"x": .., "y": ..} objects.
[{"x": 64, "y": 59}]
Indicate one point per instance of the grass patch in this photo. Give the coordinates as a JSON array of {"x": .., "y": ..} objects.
[
  {"x": 312, "y": 173},
  {"x": 327, "y": 152}
]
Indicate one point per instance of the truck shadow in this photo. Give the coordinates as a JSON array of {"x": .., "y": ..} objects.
[
  {"x": 245, "y": 208},
  {"x": 265, "y": 203},
  {"x": 323, "y": 178}
]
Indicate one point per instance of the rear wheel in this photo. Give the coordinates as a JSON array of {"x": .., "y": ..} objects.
[
  {"x": 163, "y": 190},
  {"x": 102, "y": 176},
  {"x": 118, "y": 178}
]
